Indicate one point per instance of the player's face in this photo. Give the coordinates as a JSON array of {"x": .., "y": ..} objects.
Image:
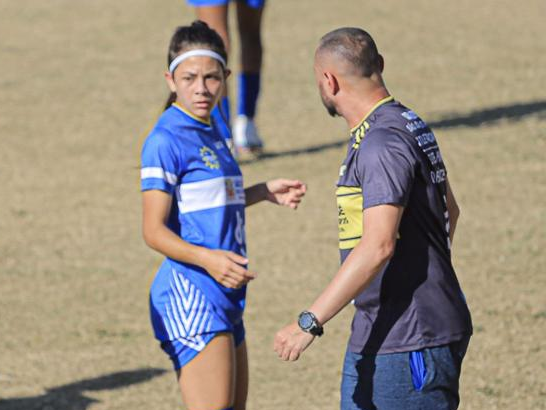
[{"x": 198, "y": 83}]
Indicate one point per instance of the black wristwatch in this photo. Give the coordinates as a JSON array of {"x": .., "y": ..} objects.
[{"x": 309, "y": 323}]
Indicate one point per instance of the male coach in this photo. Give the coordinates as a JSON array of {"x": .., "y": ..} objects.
[{"x": 397, "y": 217}]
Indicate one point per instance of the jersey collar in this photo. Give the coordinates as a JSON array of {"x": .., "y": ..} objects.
[
  {"x": 189, "y": 114},
  {"x": 375, "y": 107}
]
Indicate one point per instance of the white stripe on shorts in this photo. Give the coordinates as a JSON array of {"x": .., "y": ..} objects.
[{"x": 187, "y": 313}]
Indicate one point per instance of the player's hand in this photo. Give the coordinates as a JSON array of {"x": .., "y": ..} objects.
[
  {"x": 287, "y": 192},
  {"x": 227, "y": 268},
  {"x": 291, "y": 341}
]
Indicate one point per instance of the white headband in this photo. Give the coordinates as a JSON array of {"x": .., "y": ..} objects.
[{"x": 194, "y": 53}]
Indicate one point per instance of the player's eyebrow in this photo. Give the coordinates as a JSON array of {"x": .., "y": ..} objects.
[{"x": 191, "y": 71}]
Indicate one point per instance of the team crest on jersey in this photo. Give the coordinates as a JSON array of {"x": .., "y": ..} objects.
[{"x": 209, "y": 157}]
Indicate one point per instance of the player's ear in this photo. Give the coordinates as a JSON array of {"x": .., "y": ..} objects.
[
  {"x": 381, "y": 63},
  {"x": 227, "y": 73},
  {"x": 170, "y": 81}
]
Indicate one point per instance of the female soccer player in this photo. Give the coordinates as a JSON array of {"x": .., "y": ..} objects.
[
  {"x": 249, "y": 22},
  {"x": 194, "y": 214}
]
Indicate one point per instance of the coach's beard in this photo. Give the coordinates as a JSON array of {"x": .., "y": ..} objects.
[{"x": 329, "y": 105}]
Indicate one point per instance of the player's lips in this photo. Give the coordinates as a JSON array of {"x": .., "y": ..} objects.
[{"x": 202, "y": 104}]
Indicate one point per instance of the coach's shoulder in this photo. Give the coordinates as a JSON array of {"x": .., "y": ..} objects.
[
  {"x": 378, "y": 138},
  {"x": 385, "y": 142}
]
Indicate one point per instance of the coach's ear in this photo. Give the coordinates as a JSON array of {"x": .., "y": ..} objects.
[
  {"x": 170, "y": 81},
  {"x": 332, "y": 83}
]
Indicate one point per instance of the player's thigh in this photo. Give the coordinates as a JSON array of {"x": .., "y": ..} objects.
[
  {"x": 249, "y": 19},
  {"x": 215, "y": 362},
  {"x": 241, "y": 386},
  {"x": 216, "y": 16}
]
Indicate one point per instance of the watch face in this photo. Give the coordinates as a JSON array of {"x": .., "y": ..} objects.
[{"x": 305, "y": 321}]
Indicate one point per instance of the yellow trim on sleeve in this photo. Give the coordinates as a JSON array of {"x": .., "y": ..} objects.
[
  {"x": 189, "y": 114},
  {"x": 348, "y": 190},
  {"x": 350, "y": 216},
  {"x": 349, "y": 205},
  {"x": 349, "y": 243}
]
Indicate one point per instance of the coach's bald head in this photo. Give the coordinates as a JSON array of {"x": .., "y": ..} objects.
[
  {"x": 352, "y": 50},
  {"x": 348, "y": 71}
]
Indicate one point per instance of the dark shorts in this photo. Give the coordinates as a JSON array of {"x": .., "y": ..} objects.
[{"x": 427, "y": 379}]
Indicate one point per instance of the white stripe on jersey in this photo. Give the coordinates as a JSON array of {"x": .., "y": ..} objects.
[
  {"x": 157, "y": 172},
  {"x": 210, "y": 193}
]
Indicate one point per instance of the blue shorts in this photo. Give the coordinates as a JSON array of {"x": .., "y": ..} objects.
[
  {"x": 182, "y": 350},
  {"x": 256, "y": 4},
  {"x": 183, "y": 317},
  {"x": 427, "y": 379}
]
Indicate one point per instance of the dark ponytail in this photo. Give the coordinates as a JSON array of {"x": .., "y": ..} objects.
[
  {"x": 170, "y": 100},
  {"x": 199, "y": 34}
]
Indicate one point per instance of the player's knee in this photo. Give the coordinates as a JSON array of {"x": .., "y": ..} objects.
[{"x": 251, "y": 55}]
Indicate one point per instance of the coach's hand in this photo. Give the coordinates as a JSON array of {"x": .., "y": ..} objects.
[
  {"x": 227, "y": 268},
  {"x": 291, "y": 341},
  {"x": 287, "y": 192}
]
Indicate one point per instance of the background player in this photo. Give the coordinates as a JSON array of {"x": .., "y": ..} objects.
[
  {"x": 249, "y": 20},
  {"x": 194, "y": 214}
]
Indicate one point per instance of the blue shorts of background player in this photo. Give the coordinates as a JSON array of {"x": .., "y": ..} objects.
[
  {"x": 243, "y": 135},
  {"x": 204, "y": 3}
]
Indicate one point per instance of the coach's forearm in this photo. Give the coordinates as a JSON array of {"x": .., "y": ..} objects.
[{"x": 354, "y": 275}]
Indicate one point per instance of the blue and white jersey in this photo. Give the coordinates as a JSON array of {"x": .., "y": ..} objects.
[{"x": 187, "y": 158}]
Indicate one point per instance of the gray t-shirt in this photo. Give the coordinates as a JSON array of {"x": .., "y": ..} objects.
[{"x": 415, "y": 301}]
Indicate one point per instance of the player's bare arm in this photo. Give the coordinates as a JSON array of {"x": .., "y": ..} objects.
[
  {"x": 285, "y": 192},
  {"x": 365, "y": 261},
  {"x": 224, "y": 266}
]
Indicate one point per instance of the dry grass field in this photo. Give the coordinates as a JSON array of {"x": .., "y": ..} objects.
[{"x": 80, "y": 85}]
